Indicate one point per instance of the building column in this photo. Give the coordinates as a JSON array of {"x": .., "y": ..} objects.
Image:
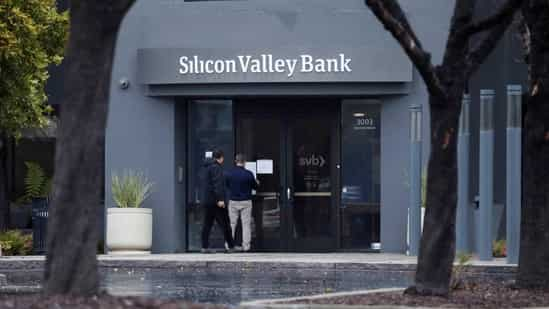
[{"x": 414, "y": 209}]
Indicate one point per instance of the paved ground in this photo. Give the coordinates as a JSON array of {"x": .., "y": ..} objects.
[{"x": 232, "y": 278}]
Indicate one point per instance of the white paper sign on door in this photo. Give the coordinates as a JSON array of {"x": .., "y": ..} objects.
[
  {"x": 252, "y": 167},
  {"x": 265, "y": 167}
]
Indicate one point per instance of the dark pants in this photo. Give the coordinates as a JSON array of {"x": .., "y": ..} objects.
[{"x": 221, "y": 215}]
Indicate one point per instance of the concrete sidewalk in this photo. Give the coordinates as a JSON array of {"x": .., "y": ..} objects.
[
  {"x": 339, "y": 258},
  {"x": 276, "y": 260},
  {"x": 330, "y": 258}
]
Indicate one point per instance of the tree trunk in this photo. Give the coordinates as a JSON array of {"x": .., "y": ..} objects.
[
  {"x": 533, "y": 270},
  {"x": 73, "y": 227},
  {"x": 437, "y": 249},
  {"x": 4, "y": 202}
]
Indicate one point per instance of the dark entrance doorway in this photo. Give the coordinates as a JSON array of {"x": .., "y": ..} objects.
[{"x": 294, "y": 147}]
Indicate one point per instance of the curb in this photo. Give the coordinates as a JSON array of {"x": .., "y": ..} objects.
[
  {"x": 276, "y": 303},
  {"x": 20, "y": 289}
]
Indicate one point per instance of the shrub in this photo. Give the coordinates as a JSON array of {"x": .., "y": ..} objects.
[
  {"x": 499, "y": 249},
  {"x": 458, "y": 277},
  {"x": 14, "y": 242},
  {"x": 131, "y": 189}
]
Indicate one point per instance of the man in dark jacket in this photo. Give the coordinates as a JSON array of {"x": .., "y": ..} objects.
[{"x": 214, "y": 202}]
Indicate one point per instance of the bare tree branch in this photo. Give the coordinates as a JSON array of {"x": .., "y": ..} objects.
[
  {"x": 398, "y": 14},
  {"x": 456, "y": 45},
  {"x": 525, "y": 37},
  {"x": 484, "y": 48},
  {"x": 392, "y": 17},
  {"x": 505, "y": 12}
]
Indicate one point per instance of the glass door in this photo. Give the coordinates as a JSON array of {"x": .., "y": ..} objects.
[
  {"x": 294, "y": 208},
  {"x": 259, "y": 138},
  {"x": 312, "y": 180}
]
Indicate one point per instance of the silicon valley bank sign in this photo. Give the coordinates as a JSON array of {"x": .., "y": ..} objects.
[
  {"x": 265, "y": 63},
  {"x": 169, "y": 66}
]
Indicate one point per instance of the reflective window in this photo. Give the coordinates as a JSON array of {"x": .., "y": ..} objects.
[
  {"x": 210, "y": 128},
  {"x": 360, "y": 175}
]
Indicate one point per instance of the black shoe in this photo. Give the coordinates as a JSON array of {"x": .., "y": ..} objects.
[
  {"x": 230, "y": 250},
  {"x": 206, "y": 250}
]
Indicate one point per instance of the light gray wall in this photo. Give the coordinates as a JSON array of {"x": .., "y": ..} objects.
[{"x": 143, "y": 131}]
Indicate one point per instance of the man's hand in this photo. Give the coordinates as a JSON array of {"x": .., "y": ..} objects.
[{"x": 221, "y": 204}]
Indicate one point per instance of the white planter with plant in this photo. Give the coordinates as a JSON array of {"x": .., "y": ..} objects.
[{"x": 129, "y": 227}]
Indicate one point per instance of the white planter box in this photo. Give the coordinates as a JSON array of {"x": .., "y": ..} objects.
[{"x": 129, "y": 230}]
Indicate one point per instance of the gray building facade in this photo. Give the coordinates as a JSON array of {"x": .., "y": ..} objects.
[{"x": 315, "y": 93}]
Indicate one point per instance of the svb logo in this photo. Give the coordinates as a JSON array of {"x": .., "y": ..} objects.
[{"x": 313, "y": 160}]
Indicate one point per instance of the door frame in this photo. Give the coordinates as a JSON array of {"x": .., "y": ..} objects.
[{"x": 288, "y": 110}]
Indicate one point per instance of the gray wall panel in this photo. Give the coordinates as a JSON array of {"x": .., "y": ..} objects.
[
  {"x": 180, "y": 145},
  {"x": 140, "y": 134},
  {"x": 394, "y": 165}
]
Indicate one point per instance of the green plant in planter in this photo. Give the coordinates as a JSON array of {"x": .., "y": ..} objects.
[
  {"x": 130, "y": 189},
  {"x": 37, "y": 184},
  {"x": 14, "y": 242}
]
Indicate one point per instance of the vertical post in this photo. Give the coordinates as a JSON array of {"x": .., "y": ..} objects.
[
  {"x": 513, "y": 164},
  {"x": 486, "y": 173},
  {"x": 414, "y": 210},
  {"x": 463, "y": 228}
]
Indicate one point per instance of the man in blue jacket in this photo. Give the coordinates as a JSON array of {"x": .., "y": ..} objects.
[
  {"x": 214, "y": 202},
  {"x": 241, "y": 182}
]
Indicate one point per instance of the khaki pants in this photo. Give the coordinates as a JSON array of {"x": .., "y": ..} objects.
[{"x": 244, "y": 210}]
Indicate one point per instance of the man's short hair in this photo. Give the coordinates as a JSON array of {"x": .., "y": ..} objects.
[
  {"x": 218, "y": 154},
  {"x": 240, "y": 158}
]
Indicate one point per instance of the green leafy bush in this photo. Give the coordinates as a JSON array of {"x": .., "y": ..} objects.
[
  {"x": 14, "y": 242},
  {"x": 131, "y": 189},
  {"x": 32, "y": 37}
]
